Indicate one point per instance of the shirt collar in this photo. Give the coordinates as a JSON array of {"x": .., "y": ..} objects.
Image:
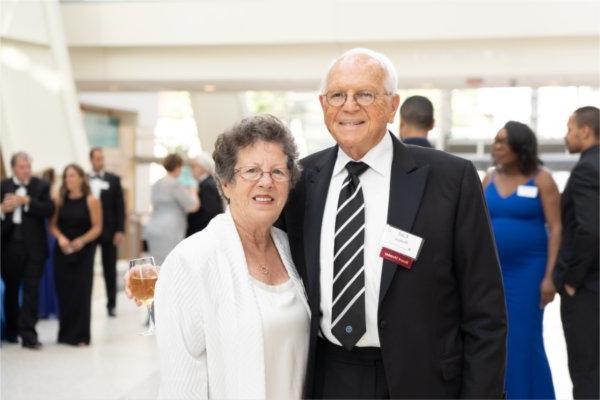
[
  {"x": 17, "y": 182},
  {"x": 379, "y": 158},
  {"x": 98, "y": 174},
  {"x": 203, "y": 177}
]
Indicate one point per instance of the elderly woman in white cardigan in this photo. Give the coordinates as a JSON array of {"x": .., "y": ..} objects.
[{"x": 232, "y": 319}]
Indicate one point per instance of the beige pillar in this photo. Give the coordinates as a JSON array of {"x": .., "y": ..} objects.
[{"x": 215, "y": 112}]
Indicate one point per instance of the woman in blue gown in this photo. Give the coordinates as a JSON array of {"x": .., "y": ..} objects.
[
  {"x": 47, "y": 300},
  {"x": 524, "y": 207}
]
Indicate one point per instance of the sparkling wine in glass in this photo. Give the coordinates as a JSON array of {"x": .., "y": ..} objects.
[{"x": 143, "y": 275}]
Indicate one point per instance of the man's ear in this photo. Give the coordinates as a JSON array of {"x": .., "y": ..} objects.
[
  {"x": 586, "y": 133},
  {"x": 432, "y": 125},
  {"x": 322, "y": 101},
  {"x": 395, "y": 105}
]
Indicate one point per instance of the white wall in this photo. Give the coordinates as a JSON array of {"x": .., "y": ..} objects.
[
  {"x": 442, "y": 64},
  {"x": 274, "y": 44},
  {"x": 38, "y": 107},
  {"x": 215, "y": 112},
  {"x": 181, "y": 23}
]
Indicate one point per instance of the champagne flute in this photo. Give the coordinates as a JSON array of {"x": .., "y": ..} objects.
[{"x": 143, "y": 275}]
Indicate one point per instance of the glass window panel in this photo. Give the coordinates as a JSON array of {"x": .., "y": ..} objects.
[
  {"x": 101, "y": 129},
  {"x": 480, "y": 113},
  {"x": 557, "y": 103}
]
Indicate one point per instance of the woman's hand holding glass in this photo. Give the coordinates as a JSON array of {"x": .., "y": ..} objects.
[{"x": 140, "y": 281}]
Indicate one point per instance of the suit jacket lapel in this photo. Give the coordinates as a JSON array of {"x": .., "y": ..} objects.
[
  {"x": 406, "y": 189},
  {"x": 316, "y": 191}
]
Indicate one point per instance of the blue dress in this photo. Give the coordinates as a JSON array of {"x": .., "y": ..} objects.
[
  {"x": 522, "y": 241},
  {"x": 47, "y": 300}
]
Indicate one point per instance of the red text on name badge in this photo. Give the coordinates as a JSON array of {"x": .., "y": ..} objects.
[{"x": 396, "y": 257}]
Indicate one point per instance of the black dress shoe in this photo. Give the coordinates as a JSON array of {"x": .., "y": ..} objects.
[
  {"x": 32, "y": 345},
  {"x": 11, "y": 339},
  {"x": 112, "y": 313}
]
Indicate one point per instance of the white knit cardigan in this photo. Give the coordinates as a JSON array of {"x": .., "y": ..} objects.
[{"x": 208, "y": 324}]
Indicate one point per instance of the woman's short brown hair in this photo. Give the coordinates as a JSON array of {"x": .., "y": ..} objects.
[
  {"x": 172, "y": 162},
  {"x": 248, "y": 131}
]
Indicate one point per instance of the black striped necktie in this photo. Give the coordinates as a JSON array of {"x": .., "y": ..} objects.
[{"x": 348, "y": 308}]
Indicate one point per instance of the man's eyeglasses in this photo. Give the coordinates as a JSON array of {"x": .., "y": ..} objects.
[
  {"x": 362, "y": 97},
  {"x": 255, "y": 173}
]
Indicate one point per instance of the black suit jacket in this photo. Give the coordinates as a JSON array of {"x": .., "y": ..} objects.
[
  {"x": 577, "y": 262},
  {"x": 210, "y": 205},
  {"x": 442, "y": 324},
  {"x": 33, "y": 223},
  {"x": 113, "y": 207}
]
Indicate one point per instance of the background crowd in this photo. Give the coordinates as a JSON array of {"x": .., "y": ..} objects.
[{"x": 545, "y": 245}]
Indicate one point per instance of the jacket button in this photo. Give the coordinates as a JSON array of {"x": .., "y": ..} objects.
[{"x": 382, "y": 323}]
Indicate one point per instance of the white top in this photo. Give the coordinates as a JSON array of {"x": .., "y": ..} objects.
[
  {"x": 286, "y": 329},
  {"x": 21, "y": 191},
  {"x": 208, "y": 321},
  {"x": 376, "y": 193}
]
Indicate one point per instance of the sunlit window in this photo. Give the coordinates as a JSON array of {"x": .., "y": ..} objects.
[
  {"x": 556, "y": 103},
  {"x": 479, "y": 113}
]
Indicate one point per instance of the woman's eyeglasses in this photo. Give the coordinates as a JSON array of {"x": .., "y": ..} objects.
[{"x": 255, "y": 173}]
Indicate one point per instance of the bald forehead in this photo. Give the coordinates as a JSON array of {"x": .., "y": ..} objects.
[
  {"x": 358, "y": 61},
  {"x": 356, "y": 67}
]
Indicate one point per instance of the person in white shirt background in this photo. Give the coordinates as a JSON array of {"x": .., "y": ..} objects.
[{"x": 26, "y": 204}]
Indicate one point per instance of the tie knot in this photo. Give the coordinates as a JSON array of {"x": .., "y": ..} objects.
[{"x": 356, "y": 168}]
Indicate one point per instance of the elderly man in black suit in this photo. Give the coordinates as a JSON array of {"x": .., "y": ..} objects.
[
  {"x": 394, "y": 245},
  {"x": 26, "y": 204},
  {"x": 107, "y": 187},
  {"x": 211, "y": 203},
  {"x": 576, "y": 272}
]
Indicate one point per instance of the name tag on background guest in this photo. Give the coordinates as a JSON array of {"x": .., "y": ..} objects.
[
  {"x": 400, "y": 247},
  {"x": 527, "y": 191}
]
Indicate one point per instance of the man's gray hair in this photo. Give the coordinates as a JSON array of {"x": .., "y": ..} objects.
[
  {"x": 247, "y": 132},
  {"x": 391, "y": 78},
  {"x": 19, "y": 155},
  {"x": 205, "y": 161}
]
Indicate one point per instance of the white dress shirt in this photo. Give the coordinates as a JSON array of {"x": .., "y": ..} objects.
[
  {"x": 376, "y": 192},
  {"x": 97, "y": 183},
  {"x": 21, "y": 191}
]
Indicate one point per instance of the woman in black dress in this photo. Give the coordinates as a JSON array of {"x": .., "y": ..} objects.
[{"x": 76, "y": 223}]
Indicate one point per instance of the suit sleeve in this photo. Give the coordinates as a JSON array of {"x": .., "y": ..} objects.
[
  {"x": 210, "y": 200},
  {"x": 584, "y": 189},
  {"x": 119, "y": 206},
  {"x": 483, "y": 320},
  {"x": 42, "y": 205}
]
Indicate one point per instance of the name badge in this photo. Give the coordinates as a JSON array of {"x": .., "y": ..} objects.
[
  {"x": 400, "y": 247},
  {"x": 527, "y": 191}
]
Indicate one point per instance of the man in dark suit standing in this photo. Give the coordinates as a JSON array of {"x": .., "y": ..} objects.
[
  {"x": 107, "y": 187},
  {"x": 416, "y": 120},
  {"x": 26, "y": 204},
  {"x": 395, "y": 249},
  {"x": 210, "y": 200},
  {"x": 576, "y": 272}
]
